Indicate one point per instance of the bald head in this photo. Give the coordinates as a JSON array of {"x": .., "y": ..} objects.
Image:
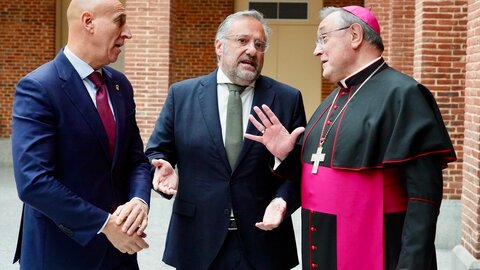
[{"x": 96, "y": 30}]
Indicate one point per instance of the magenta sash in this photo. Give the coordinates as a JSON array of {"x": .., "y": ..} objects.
[{"x": 359, "y": 200}]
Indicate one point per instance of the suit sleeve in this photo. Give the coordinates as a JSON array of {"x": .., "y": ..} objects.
[
  {"x": 140, "y": 180},
  {"x": 34, "y": 132},
  {"x": 424, "y": 191},
  {"x": 161, "y": 144},
  {"x": 290, "y": 188}
]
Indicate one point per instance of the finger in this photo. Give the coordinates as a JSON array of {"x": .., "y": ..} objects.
[
  {"x": 129, "y": 222},
  {"x": 143, "y": 226},
  {"x": 141, "y": 243},
  {"x": 157, "y": 162},
  {"x": 135, "y": 225},
  {"x": 166, "y": 188},
  {"x": 124, "y": 213},
  {"x": 271, "y": 116},
  {"x": 262, "y": 226},
  {"x": 118, "y": 210},
  {"x": 255, "y": 123},
  {"x": 170, "y": 191},
  {"x": 253, "y": 137},
  {"x": 297, "y": 132},
  {"x": 265, "y": 121}
]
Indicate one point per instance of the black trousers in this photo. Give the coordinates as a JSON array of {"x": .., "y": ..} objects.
[{"x": 231, "y": 255}]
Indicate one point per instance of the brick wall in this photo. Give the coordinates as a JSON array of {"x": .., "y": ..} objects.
[
  {"x": 147, "y": 58},
  {"x": 195, "y": 24},
  {"x": 471, "y": 171},
  {"x": 28, "y": 40},
  {"x": 439, "y": 64},
  {"x": 173, "y": 41}
]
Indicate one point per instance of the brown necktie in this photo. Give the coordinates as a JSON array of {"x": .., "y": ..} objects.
[
  {"x": 234, "y": 127},
  {"x": 104, "y": 109}
]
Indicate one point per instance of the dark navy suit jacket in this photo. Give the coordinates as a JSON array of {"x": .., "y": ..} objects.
[
  {"x": 188, "y": 134},
  {"x": 64, "y": 174}
]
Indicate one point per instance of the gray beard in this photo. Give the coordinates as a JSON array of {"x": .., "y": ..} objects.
[{"x": 245, "y": 76}]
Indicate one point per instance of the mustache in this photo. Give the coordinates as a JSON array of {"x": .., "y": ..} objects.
[{"x": 249, "y": 60}]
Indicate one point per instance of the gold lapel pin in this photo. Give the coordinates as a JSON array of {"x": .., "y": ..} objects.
[{"x": 117, "y": 87}]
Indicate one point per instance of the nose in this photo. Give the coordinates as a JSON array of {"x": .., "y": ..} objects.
[
  {"x": 126, "y": 32},
  {"x": 318, "y": 49}
]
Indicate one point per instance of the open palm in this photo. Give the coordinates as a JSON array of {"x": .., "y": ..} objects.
[{"x": 274, "y": 136}]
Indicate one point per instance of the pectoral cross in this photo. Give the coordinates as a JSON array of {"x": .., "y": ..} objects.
[{"x": 317, "y": 158}]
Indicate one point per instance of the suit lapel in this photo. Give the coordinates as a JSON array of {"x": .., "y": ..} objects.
[
  {"x": 264, "y": 94},
  {"x": 77, "y": 93},
  {"x": 207, "y": 96}
]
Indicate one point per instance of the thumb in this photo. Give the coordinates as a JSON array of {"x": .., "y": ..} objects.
[
  {"x": 158, "y": 162},
  {"x": 297, "y": 132}
]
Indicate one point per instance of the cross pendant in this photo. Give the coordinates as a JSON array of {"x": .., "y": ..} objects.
[{"x": 317, "y": 158}]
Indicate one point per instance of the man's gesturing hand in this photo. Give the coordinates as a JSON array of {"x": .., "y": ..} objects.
[
  {"x": 165, "y": 179},
  {"x": 274, "y": 215},
  {"x": 274, "y": 136}
]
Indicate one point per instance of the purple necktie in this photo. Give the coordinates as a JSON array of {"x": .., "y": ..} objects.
[{"x": 104, "y": 109}]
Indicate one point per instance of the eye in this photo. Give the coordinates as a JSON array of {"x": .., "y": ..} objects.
[
  {"x": 243, "y": 41},
  {"x": 259, "y": 45},
  {"x": 121, "y": 19}
]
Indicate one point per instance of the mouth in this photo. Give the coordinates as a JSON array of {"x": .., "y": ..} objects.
[{"x": 249, "y": 63}]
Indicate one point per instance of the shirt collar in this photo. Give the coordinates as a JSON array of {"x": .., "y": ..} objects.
[{"x": 83, "y": 69}]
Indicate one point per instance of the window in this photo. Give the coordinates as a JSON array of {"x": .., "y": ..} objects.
[{"x": 281, "y": 10}]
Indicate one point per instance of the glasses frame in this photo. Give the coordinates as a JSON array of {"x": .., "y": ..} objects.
[
  {"x": 237, "y": 38},
  {"x": 321, "y": 38}
]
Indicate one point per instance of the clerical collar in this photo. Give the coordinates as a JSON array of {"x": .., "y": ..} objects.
[{"x": 360, "y": 76}]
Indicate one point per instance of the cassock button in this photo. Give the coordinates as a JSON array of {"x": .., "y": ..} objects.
[
  {"x": 313, "y": 229},
  {"x": 335, "y": 107},
  {"x": 314, "y": 265},
  {"x": 313, "y": 247},
  {"x": 329, "y": 122}
]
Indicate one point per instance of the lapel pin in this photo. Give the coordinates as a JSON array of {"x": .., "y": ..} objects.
[{"x": 117, "y": 87}]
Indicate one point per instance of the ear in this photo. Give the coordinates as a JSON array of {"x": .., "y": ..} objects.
[
  {"x": 87, "y": 21},
  {"x": 218, "y": 48},
  {"x": 357, "y": 35}
]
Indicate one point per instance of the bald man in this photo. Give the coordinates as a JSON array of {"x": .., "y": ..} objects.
[{"x": 78, "y": 157}]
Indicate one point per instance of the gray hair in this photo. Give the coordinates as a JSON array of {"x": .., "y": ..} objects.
[
  {"x": 348, "y": 18},
  {"x": 224, "y": 27}
]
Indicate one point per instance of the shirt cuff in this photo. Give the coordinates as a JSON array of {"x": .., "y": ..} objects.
[
  {"x": 104, "y": 224},
  {"x": 277, "y": 163},
  {"x": 140, "y": 199}
]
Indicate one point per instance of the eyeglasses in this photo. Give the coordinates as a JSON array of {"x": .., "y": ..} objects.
[
  {"x": 321, "y": 38},
  {"x": 244, "y": 40}
]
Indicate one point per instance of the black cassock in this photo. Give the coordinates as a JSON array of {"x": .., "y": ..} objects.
[{"x": 374, "y": 202}]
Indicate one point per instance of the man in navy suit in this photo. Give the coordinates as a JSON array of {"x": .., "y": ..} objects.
[
  {"x": 81, "y": 172},
  {"x": 226, "y": 214}
]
